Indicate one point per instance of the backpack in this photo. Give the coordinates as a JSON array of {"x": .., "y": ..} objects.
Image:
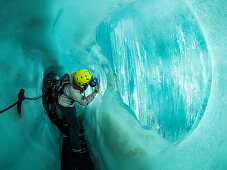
[{"x": 59, "y": 86}]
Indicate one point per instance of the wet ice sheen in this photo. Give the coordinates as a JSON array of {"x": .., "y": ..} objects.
[{"x": 162, "y": 64}]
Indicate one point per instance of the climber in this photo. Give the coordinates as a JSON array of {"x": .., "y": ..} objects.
[{"x": 69, "y": 90}]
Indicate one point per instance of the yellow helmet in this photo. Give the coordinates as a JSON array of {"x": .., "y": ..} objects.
[{"x": 82, "y": 77}]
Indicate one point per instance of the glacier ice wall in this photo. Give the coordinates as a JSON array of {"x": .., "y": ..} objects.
[
  {"x": 26, "y": 51},
  {"x": 204, "y": 147},
  {"x": 162, "y": 64},
  {"x": 37, "y": 37}
]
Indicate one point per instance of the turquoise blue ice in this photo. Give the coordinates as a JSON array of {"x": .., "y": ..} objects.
[{"x": 161, "y": 65}]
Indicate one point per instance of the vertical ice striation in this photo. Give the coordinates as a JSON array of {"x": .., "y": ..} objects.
[{"x": 161, "y": 59}]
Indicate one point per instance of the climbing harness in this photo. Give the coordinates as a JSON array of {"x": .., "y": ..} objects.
[{"x": 21, "y": 98}]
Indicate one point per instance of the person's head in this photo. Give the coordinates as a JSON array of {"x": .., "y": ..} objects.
[{"x": 82, "y": 77}]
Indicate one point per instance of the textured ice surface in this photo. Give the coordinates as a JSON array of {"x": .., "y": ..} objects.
[
  {"x": 41, "y": 36},
  {"x": 162, "y": 64}
]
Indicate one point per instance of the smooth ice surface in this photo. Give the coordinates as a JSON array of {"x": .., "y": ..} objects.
[
  {"x": 162, "y": 64},
  {"x": 40, "y": 36}
]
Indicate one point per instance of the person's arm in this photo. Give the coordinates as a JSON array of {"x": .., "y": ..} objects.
[{"x": 83, "y": 100}]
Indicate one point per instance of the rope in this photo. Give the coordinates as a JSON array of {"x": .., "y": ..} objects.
[
  {"x": 8, "y": 108},
  {"x": 34, "y": 98},
  {"x": 20, "y": 99}
]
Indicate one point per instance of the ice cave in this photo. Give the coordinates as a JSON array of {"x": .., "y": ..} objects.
[{"x": 161, "y": 65}]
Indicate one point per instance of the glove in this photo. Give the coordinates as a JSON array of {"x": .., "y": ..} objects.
[
  {"x": 97, "y": 87},
  {"x": 93, "y": 82}
]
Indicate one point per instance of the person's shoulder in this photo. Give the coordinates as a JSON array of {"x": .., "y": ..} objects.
[
  {"x": 70, "y": 86},
  {"x": 71, "y": 74}
]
